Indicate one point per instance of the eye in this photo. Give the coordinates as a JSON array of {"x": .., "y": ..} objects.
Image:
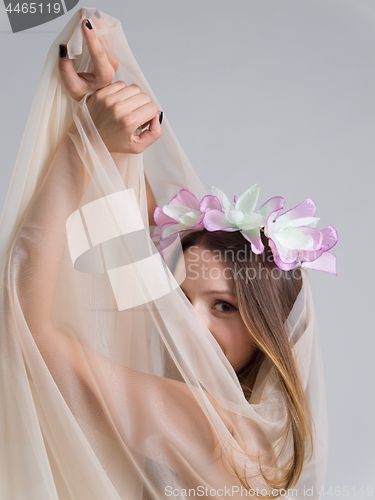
[{"x": 224, "y": 307}]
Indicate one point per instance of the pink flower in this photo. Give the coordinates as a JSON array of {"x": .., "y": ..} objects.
[
  {"x": 295, "y": 241},
  {"x": 183, "y": 213},
  {"x": 292, "y": 236},
  {"x": 243, "y": 217}
]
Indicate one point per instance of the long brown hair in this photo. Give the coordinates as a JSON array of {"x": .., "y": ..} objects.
[{"x": 266, "y": 296}]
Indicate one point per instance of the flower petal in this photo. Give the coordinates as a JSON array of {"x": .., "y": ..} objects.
[
  {"x": 310, "y": 255},
  {"x": 286, "y": 255},
  {"x": 191, "y": 219},
  {"x": 169, "y": 230},
  {"x": 172, "y": 230},
  {"x": 253, "y": 235},
  {"x": 215, "y": 220},
  {"x": 287, "y": 262},
  {"x": 301, "y": 238},
  {"x": 198, "y": 226},
  {"x": 273, "y": 205},
  {"x": 329, "y": 237},
  {"x": 234, "y": 216},
  {"x": 246, "y": 203},
  {"x": 270, "y": 223},
  {"x": 315, "y": 235},
  {"x": 186, "y": 199},
  {"x": 161, "y": 218},
  {"x": 326, "y": 263},
  {"x": 177, "y": 212},
  {"x": 292, "y": 239},
  {"x": 252, "y": 221},
  {"x": 281, "y": 223},
  {"x": 305, "y": 209},
  {"x": 223, "y": 198},
  {"x": 209, "y": 202}
]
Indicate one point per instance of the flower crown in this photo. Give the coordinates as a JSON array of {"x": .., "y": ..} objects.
[{"x": 292, "y": 236}]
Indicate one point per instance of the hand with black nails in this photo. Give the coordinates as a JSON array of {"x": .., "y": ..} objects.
[
  {"x": 126, "y": 119},
  {"x": 105, "y": 65},
  {"x": 119, "y": 112}
]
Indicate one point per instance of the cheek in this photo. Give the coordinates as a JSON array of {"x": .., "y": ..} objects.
[
  {"x": 234, "y": 338},
  {"x": 242, "y": 341},
  {"x": 242, "y": 347}
]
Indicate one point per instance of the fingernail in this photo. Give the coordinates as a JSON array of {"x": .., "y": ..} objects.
[
  {"x": 62, "y": 51},
  {"x": 88, "y": 24},
  {"x": 87, "y": 13},
  {"x": 97, "y": 14},
  {"x": 161, "y": 114}
]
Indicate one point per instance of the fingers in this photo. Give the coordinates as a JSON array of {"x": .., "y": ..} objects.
[
  {"x": 126, "y": 94},
  {"x": 119, "y": 112},
  {"x": 131, "y": 107},
  {"x": 142, "y": 115},
  {"x": 128, "y": 99},
  {"x": 111, "y": 89},
  {"x": 148, "y": 137},
  {"x": 112, "y": 61},
  {"x": 118, "y": 97},
  {"x": 99, "y": 23},
  {"x": 105, "y": 64},
  {"x": 103, "y": 69}
]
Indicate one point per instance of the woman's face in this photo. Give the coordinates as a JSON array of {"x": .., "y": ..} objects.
[{"x": 210, "y": 288}]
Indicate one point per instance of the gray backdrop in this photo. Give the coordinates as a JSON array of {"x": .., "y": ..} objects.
[{"x": 275, "y": 92}]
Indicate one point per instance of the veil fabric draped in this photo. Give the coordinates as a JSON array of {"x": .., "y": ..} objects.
[{"x": 110, "y": 387}]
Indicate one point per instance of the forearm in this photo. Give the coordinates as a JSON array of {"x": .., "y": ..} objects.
[{"x": 42, "y": 236}]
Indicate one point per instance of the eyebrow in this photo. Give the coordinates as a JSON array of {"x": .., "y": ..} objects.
[
  {"x": 216, "y": 292},
  {"x": 219, "y": 292}
]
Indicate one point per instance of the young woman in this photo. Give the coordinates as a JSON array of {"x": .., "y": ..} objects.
[{"x": 136, "y": 387}]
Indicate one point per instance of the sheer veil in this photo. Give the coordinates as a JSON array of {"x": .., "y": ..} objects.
[{"x": 110, "y": 387}]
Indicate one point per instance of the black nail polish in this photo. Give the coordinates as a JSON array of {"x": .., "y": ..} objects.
[
  {"x": 161, "y": 114},
  {"x": 62, "y": 51},
  {"x": 88, "y": 24},
  {"x": 97, "y": 14}
]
